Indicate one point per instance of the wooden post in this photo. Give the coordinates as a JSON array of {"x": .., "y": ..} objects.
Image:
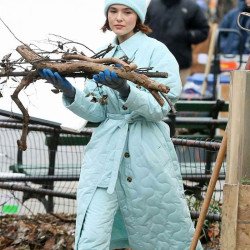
[{"x": 236, "y": 192}]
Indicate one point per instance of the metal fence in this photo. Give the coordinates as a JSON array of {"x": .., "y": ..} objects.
[{"x": 44, "y": 178}]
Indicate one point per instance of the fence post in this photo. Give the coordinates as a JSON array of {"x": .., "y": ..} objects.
[{"x": 236, "y": 192}]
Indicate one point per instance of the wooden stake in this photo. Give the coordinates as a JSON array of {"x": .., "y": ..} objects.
[
  {"x": 210, "y": 190},
  {"x": 210, "y": 56}
]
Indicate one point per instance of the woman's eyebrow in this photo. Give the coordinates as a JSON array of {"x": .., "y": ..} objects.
[{"x": 126, "y": 8}]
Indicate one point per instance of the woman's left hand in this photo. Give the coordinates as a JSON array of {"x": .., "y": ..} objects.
[{"x": 112, "y": 80}]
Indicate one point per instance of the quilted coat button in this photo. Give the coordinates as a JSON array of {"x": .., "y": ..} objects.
[
  {"x": 126, "y": 155},
  {"x": 129, "y": 179},
  {"x": 124, "y": 107}
]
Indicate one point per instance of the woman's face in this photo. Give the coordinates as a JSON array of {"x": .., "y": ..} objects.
[{"x": 122, "y": 21}]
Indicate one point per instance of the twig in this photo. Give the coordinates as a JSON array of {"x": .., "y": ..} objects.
[
  {"x": 11, "y": 31},
  {"x": 70, "y": 41},
  {"x": 61, "y": 218}
]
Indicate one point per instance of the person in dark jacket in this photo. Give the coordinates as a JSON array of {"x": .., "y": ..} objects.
[
  {"x": 229, "y": 41},
  {"x": 178, "y": 24}
]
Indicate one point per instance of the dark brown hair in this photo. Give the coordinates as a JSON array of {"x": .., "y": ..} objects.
[{"x": 138, "y": 27}]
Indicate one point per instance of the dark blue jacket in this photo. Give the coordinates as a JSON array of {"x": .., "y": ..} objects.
[
  {"x": 230, "y": 42},
  {"x": 178, "y": 24}
]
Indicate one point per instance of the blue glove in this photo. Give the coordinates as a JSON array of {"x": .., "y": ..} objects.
[
  {"x": 112, "y": 80},
  {"x": 59, "y": 82}
]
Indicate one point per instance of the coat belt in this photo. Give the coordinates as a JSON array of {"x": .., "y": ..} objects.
[{"x": 122, "y": 135}]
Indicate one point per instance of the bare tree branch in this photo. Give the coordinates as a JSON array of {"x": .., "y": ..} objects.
[{"x": 72, "y": 64}]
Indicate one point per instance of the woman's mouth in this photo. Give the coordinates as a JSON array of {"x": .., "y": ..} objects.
[{"x": 118, "y": 26}]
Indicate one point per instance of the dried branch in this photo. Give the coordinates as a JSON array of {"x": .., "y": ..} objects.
[
  {"x": 91, "y": 67},
  {"x": 83, "y": 74},
  {"x": 24, "y": 83},
  {"x": 76, "y": 65}
]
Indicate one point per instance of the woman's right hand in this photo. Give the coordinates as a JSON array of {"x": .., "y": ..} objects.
[{"x": 58, "y": 81}]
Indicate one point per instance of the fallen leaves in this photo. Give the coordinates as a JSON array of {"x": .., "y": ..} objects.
[
  {"x": 42, "y": 231},
  {"x": 56, "y": 232}
]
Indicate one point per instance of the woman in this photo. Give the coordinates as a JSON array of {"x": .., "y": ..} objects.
[{"x": 130, "y": 185}]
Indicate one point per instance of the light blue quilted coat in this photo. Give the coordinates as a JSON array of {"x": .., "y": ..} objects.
[{"x": 131, "y": 153}]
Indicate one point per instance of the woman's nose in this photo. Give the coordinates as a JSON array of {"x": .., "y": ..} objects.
[{"x": 119, "y": 17}]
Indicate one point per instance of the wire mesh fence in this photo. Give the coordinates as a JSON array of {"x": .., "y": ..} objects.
[{"x": 43, "y": 179}]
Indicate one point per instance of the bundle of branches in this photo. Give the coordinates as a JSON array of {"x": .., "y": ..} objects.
[{"x": 75, "y": 64}]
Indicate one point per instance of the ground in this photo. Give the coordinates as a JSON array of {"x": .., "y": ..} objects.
[
  {"x": 44, "y": 231},
  {"x": 53, "y": 232}
]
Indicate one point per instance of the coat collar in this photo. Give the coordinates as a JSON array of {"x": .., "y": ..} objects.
[{"x": 130, "y": 46}]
